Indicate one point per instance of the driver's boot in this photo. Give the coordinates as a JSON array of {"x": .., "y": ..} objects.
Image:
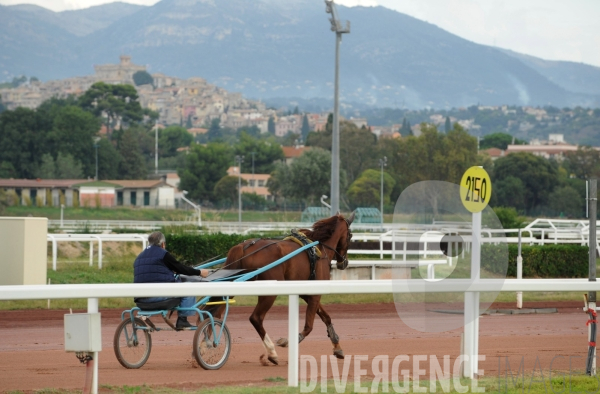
[{"x": 182, "y": 323}]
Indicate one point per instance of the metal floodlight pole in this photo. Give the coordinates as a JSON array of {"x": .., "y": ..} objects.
[
  {"x": 336, "y": 26},
  {"x": 382, "y": 163}
]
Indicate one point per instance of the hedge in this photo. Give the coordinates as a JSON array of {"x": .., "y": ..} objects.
[
  {"x": 547, "y": 261},
  {"x": 198, "y": 248}
]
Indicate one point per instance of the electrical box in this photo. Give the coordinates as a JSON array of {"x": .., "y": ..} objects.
[{"x": 83, "y": 332}]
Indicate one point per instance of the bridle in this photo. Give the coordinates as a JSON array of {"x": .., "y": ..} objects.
[{"x": 344, "y": 258}]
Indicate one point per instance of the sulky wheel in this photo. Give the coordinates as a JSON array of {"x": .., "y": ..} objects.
[
  {"x": 132, "y": 346},
  {"x": 207, "y": 353}
]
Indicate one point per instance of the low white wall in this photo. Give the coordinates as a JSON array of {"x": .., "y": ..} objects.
[{"x": 23, "y": 246}]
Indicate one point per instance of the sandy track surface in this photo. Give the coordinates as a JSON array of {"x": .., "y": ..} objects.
[{"x": 32, "y": 352}]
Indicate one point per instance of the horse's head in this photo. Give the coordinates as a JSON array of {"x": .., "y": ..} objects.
[{"x": 344, "y": 242}]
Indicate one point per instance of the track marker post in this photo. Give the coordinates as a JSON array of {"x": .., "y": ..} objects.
[{"x": 475, "y": 193}]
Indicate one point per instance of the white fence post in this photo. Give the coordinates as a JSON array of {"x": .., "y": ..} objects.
[
  {"x": 293, "y": 345},
  {"x": 91, "y": 253},
  {"x": 93, "y": 308}
]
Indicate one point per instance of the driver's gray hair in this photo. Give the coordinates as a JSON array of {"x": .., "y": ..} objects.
[{"x": 156, "y": 238}]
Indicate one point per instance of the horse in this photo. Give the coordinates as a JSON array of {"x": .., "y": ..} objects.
[{"x": 334, "y": 237}]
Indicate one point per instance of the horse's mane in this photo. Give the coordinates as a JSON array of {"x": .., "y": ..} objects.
[{"x": 321, "y": 230}]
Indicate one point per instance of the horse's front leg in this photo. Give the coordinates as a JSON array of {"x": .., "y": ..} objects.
[
  {"x": 258, "y": 316},
  {"x": 335, "y": 340}
]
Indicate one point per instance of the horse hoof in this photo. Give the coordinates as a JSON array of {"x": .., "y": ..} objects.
[
  {"x": 339, "y": 353},
  {"x": 273, "y": 360},
  {"x": 282, "y": 342},
  {"x": 263, "y": 360}
]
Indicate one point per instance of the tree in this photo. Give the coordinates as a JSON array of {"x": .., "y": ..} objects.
[
  {"x": 47, "y": 168},
  {"x": 72, "y": 132},
  {"x": 405, "y": 130},
  {"x": 116, "y": 102},
  {"x": 305, "y": 128},
  {"x": 109, "y": 160},
  {"x": 67, "y": 167},
  {"x": 447, "y": 125},
  {"x": 266, "y": 152},
  {"x": 509, "y": 192},
  {"x": 583, "y": 163},
  {"x": 214, "y": 131},
  {"x": 358, "y": 148},
  {"x": 142, "y": 78},
  {"x": 309, "y": 175},
  {"x": 432, "y": 156},
  {"x": 278, "y": 181},
  {"x": 227, "y": 188},
  {"x": 171, "y": 138},
  {"x": 7, "y": 170},
  {"x": 271, "y": 125},
  {"x": 132, "y": 165},
  {"x": 365, "y": 191},
  {"x": 539, "y": 176},
  {"x": 566, "y": 201},
  {"x": 23, "y": 140},
  {"x": 2, "y": 106},
  {"x": 204, "y": 167},
  {"x": 498, "y": 140}
]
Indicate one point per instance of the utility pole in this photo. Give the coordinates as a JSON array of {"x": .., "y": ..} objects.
[
  {"x": 382, "y": 163},
  {"x": 156, "y": 147},
  {"x": 239, "y": 159},
  {"x": 253, "y": 181},
  {"x": 96, "y": 139},
  {"x": 336, "y": 26}
]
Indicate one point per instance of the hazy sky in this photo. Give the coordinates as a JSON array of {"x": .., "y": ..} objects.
[{"x": 550, "y": 29}]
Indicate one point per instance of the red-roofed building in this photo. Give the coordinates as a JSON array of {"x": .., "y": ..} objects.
[{"x": 292, "y": 152}]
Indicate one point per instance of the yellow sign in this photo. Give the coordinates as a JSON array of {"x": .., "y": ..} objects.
[{"x": 475, "y": 189}]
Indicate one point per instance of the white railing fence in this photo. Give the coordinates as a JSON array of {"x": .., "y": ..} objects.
[{"x": 94, "y": 292}]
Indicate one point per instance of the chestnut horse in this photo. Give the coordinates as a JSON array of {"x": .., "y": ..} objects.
[{"x": 334, "y": 237}]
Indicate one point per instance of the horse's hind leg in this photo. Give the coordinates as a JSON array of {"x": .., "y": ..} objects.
[
  {"x": 258, "y": 316},
  {"x": 335, "y": 340}
]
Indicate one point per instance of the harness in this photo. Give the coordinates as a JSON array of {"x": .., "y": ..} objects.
[{"x": 313, "y": 253}]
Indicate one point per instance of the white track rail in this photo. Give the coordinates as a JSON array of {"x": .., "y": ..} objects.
[{"x": 93, "y": 292}]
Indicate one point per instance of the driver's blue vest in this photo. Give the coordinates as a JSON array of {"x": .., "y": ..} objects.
[{"x": 150, "y": 268}]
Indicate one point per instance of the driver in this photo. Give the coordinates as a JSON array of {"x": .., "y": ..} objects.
[{"x": 156, "y": 265}]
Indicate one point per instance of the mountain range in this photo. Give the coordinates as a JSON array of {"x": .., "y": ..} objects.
[{"x": 285, "y": 48}]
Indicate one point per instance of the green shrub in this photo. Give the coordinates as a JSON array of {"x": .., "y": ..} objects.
[
  {"x": 548, "y": 261},
  {"x": 197, "y": 248}
]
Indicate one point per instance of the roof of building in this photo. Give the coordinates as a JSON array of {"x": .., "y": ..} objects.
[
  {"x": 541, "y": 148},
  {"x": 41, "y": 183},
  {"x": 494, "y": 152},
  {"x": 293, "y": 151},
  {"x": 98, "y": 184},
  {"x": 139, "y": 184}
]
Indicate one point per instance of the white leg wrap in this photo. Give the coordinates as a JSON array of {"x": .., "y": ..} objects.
[{"x": 269, "y": 347}]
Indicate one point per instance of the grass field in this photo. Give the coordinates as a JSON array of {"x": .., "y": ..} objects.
[{"x": 560, "y": 383}]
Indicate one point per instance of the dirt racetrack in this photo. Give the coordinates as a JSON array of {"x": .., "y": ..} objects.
[{"x": 32, "y": 353}]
